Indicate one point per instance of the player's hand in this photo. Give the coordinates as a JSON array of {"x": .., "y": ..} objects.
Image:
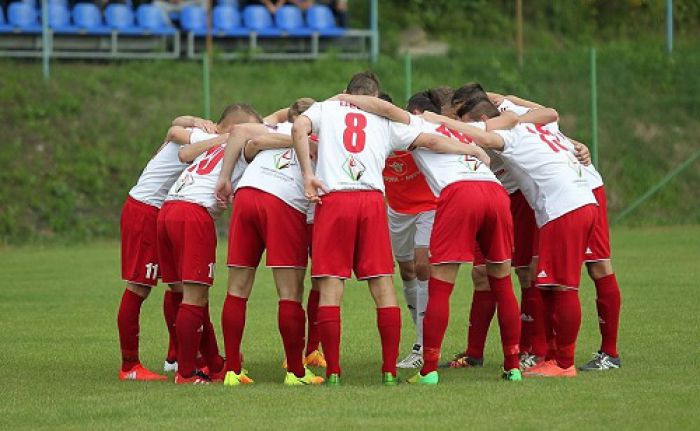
[
  {"x": 223, "y": 192},
  {"x": 582, "y": 153},
  {"x": 311, "y": 188},
  {"x": 482, "y": 156},
  {"x": 206, "y": 125}
]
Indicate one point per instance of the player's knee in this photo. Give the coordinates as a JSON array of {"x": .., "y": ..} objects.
[
  {"x": 599, "y": 269},
  {"x": 498, "y": 270},
  {"x": 407, "y": 270},
  {"x": 139, "y": 289},
  {"x": 523, "y": 274},
  {"x": 479, "y": 278},
  {"x": 422, "y": 270}
]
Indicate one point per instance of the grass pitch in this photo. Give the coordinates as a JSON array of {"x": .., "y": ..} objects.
[{"x": 60, "y": 356}]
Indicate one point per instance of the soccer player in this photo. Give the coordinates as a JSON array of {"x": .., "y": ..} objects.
[
  {"x": 551, "y": 179},
  {"x": 138, "y": 240},
  {"x": 269, "y": 213},
  {"x": 187, "y": 251},
  {"x": 353, "y": 146}
]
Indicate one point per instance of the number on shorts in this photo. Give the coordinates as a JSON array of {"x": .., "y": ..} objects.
[
  {"x": 354, "y": 135},
  {"x": 547, "y": 137},
  {"x": 211, "y": 270},
  {"x": 152, "y": 271}
]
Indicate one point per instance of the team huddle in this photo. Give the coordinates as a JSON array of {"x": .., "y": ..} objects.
[{"x": 354, "y": 183}]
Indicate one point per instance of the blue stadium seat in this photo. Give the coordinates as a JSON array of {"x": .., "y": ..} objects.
[
  {"x": 59, "y": 19},
  {"x": 4, "y": 26},
  {"x": 193, "y": 19},
  {"x": 150, "y": 19},
  {"x": 88, "y": 19},
  {"x": 227, "y": 21},
  {"x": 23, "y": 18},
  {"x": 290, "y": 20},
  {"x": 320, "y": 18},
  {"x": 233, "y": 3},
  {"x": 63, "y": 3},
  {"x": 256, "y": 18},
  {"x": 120, "y": 17}
]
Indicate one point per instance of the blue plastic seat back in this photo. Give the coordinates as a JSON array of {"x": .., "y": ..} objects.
[
  {"x": 193, "y": 18},
  {"x": 63, "y": 3},
  {"x": 256, "y": 17},
  {"x": 225, "y": 17},
  {"x": 2, "y": 17},
  {"x": 87, "y": 16},
  {"x": 289, "y": 18},
  {"x": 32, "y": 3},
  {"x": 59, "y": 16},
  {"x": 22, "y": 15},
  {"x": 232, "y": 3},
  {"x": 119, "y": 16},
  {"x": 320, "y": 18},
  {"x": 150, "y": 17}
]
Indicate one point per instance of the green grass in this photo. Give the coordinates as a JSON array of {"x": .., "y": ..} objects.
[{"x": 60, "y": 356}]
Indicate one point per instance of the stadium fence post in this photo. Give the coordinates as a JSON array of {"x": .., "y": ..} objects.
[
  {"x": 669, "y": 25},
  {"x": 519, "y": 30},
  {"x": 649, "y": 193},
  {"x": 206, "y": 86},
  {"x": 408, "y": 69},
  {"x": 374, "y": 27},
  {"x": 594, "y": 107},
  {"x": 45, "y": 48}
]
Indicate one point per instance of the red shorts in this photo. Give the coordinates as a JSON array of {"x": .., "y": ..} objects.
[
  {"x": 479, "y": 259},
  {"x": 186, "y": 243},
  {"x": 261, "y": 221},
  {"x": 524, "y": 228},
  {"x": 139, "y": 243},
  {"x": 599, "y": 245},
  {"x": 562, "y": 247},
  {"x": 470, "y": 211},
  {"x": 351, "y": 233}
]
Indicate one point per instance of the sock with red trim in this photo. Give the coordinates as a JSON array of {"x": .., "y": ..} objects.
[
  {"x": 508, "y": 319},
  {"x": 389, "y": 325},
  {"x": 550, "y": 315},
  {"x": 291, "y": 321},
  {"x": 128, "y": 325},
  {"x": 537, "y": 327},
  {"x": 480, "y": 315},
  {"x": 171, "y": 302},
  {"x": 232, "y": 325},
  {"x": 312, "y": 338},
  {"x": 209, "y": 347},
  {"x": 567, "y": 323},
  {"x": 189, "y": 327},
  {"x": 437, "y": 315},
  {"x": 608, "y": 301},
  {"x": 328, "y": 322}
]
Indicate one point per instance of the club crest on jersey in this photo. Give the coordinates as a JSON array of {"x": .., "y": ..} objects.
[
  {"x": 470, "y": 162},
  {"x": 354, "y": 168},
  {"x": 398, "y": 167},
  {"x": 182, "y": 182},
  {"x": 285, "y": 159}
]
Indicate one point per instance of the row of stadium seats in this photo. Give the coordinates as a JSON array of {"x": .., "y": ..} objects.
[{"x": 86, "y": 18}]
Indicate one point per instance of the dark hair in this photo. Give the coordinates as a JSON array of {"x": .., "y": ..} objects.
[
  {"x": 363, "y": 83},
  {"x": 421, "y": 102},
  {"x": 385, "y": 96},
  {"x": 298, "y": 107},
  {"x": 236, "y": 111},
  {"x": 478, "y": 107},
  {"x": 467, "y": 92},
  {"x": 441, "y": 96}
]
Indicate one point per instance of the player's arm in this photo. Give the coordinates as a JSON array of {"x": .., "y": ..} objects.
[
  {"x": 300, "y": 138},
  {"x": 482, "y": 138},
  {"x": 375, "y": 105},
  {"x": 236, "y": 140},
  {"x": 188, "y": 153},
  {"x": 267, "y": 141},
  {"x": 540, "y": 116},
  {"x": 522, "y": 102},
  {"x": 581, "y": 152},
  {"x": 442, "y": 144},
  {"x": 507, "y": 120},
  {"x": 192, "y": 121},
  {"x": 279, "y": 116}
]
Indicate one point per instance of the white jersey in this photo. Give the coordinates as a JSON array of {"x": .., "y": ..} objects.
[
  {"x": 591, "y": 174},
  {"x": 197, "y": 183},
  {"x": 162, "y": 171},
  {"x": 549, "y": 176},
  {"x": 354, "y": 144},
  {"x": 440, "y": 169},
  {"x": 277, "y": 172}
]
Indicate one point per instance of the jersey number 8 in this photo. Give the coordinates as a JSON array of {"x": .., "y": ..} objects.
[{"x": 354, "y": 135}]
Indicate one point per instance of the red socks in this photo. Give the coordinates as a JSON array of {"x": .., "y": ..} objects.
[
  {"x": 567, "y": 321},
  {"x": 508, "y": 319},
  {"x": 435, "y": 321},
  {"x": 208, "y": 346},
  {"x": 189, "y": 327},
  {"x": 291, "y": 321},
  {"x": 389, "y": 324},
  {"x": 311, "y": 313},
  {"x": 480, "y": 315},
  {"x": 232, "y": 324},
  {"x": 608, "y": 302},
  {"x": 128, "y": 324},
  {"x": 171, "y": 302},
  {"x": 328, "y": 322}
]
